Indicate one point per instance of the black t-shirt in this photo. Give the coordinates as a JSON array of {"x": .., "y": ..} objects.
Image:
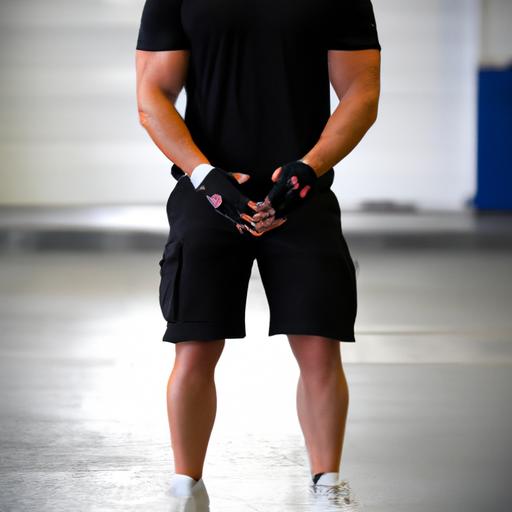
[{"x": 257, "y": 86}]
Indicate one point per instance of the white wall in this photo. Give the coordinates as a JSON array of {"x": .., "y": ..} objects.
[
  {"x": 70, "y": 134},
  {"x": 69, "y": 131},
  {"x": 422, "y": 149}
]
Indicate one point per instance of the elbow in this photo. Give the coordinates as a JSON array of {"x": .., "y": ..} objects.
[
  {"x": 146, "y": 110},
  {"x": 143, "y": 117},
  {"x": 143, "y": 110},
  {"x": 373, "y": 113},
  {"x": 371, "y": 106},
  {"x": 152, "y": 100},
  {"x": 145, "y": 107}
]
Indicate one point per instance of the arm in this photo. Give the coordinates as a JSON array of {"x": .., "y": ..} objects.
[
  {"x": 160, "y": 77},
  {"x": 355, "y": 77}
]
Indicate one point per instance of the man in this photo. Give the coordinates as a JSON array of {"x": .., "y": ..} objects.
[{"x": 254, "y": 159}]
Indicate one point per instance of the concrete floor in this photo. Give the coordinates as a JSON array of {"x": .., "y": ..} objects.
[{"x": 83, "y": 371}]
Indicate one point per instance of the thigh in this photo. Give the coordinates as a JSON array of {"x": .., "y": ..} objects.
[
  {"x": 205, "y": 270},
  {"x": 308, "y": 273}
]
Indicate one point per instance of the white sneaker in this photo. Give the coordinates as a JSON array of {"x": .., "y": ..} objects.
[
  {"x": 188, "y": 495},
  {"x": 330, "y": 493}
]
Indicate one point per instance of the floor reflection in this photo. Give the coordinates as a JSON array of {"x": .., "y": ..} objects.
[{"x": 83, "y": 373}]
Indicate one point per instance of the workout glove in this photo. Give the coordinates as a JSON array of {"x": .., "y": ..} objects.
[
  {"x": 296, "y": 182},
  {"x": 219, "y": 188}
]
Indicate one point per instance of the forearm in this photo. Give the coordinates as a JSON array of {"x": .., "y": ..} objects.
[
  {"x": 345, "y": 128},
  {"x": 168, "y": 130}
]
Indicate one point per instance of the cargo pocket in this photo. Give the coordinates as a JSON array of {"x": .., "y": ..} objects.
[{"x": 170, "y": 266}]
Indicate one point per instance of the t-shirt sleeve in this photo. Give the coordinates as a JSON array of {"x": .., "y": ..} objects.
[
  {"x": 351, "y": 25},
  {"x": 161, "y": 27}
]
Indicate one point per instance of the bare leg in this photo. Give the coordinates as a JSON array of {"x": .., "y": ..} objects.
[
  {"x": 322, "y": 399},
  {"x": 192, "y": 403}
]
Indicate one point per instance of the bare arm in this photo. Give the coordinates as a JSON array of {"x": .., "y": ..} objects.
[
  {"x": 355, "y": 77},
  {"x": 160, "y": 78}
]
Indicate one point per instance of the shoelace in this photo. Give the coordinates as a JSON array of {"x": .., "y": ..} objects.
[
  {"x": 338, "y": 495},
  {"x": 337, "y": 489}
]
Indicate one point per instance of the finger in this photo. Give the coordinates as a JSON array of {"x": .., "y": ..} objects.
[
  {"x": 264, "y": 205},
  {"x": 259, "y": 216},
  {"x": 247, "y": 218},
  {"x": 264, "y": 212},
  {"x": 276, "y": 224},
  {"x": 262, "y": 215},
  {"x": 252, "y": 231},
  {"x": 240, "y": 177},
  {"x": 268, "y": 220},
  {"x": 255, "y": 206},
  {"x": 261, "y": 226},
  {"x": 304, "y": 191},
  {"x": 276, "y": 174},
  {"x": 269, "y": 223},
  {"x": 252, "y": 205}
]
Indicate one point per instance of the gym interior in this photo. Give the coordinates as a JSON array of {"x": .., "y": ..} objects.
[{"x": 426, "y": 208}]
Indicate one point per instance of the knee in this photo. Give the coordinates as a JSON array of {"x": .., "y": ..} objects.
[
  {"x": 197, "y": 362},
  {"x": 321, "y": 374},
  {"x": 321, "y": 366},
  {"x": 316, "y": 356}
]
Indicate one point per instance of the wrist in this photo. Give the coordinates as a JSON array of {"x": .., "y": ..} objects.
[
  {"x": 310, "y": 164},
  {"x": 199, "y": 173}
]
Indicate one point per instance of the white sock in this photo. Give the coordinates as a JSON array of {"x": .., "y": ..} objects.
[
  {"x": 328, "y": 479},
  {"x": 181, "y": 485}
]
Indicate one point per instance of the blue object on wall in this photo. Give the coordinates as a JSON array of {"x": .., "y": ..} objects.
[{"x": 494, "y": 181}]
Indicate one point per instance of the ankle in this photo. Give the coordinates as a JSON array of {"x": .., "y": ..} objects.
[
  {"x": 325, "y": 478},
  {"x": 190, "y": 474}
]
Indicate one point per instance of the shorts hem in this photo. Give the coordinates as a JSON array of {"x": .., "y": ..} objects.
[
  {"x": 348, "y": 337},
  {"x": 200, "y": 331}
]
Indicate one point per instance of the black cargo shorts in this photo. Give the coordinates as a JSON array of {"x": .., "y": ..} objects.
[{"x": 305, "y": 265}]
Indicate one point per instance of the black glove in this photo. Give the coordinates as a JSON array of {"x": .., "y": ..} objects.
[
  {"x": 219, "y": 188},
  {"x": 296, "y": 185}
]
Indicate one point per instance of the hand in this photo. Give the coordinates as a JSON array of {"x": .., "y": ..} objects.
[
  {"x": 218, "y": 187},
  {"x": 263, "y": 225},
  {"x": 295, "y": 182},
  {"x": 264, "y": 219}
]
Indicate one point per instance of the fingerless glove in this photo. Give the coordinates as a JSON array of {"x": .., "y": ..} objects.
[
  {"x": 296, "y": 185},
  {"x": 220, "y": 189}
]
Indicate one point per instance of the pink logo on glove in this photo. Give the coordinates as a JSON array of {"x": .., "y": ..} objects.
[{"x": 215, "y": 200}]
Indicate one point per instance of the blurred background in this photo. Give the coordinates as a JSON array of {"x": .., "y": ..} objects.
[{"x": 426, "y": 204}]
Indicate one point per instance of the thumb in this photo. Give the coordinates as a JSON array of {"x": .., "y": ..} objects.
[
  {"x": 276, "y": 174},
  {"x": 240, "y": 177}
]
